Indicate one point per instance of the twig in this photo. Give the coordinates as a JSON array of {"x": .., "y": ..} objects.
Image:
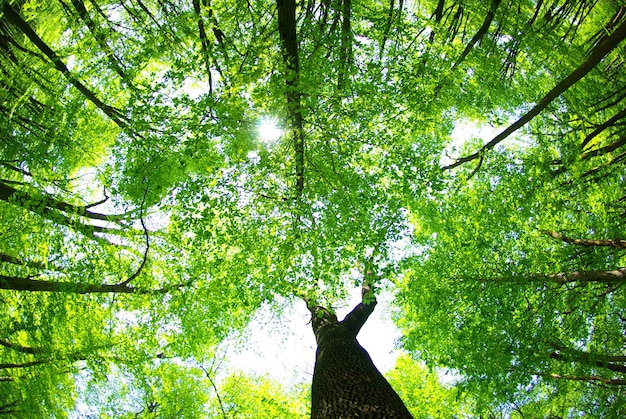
[
  {"x": 217, "y": 393},
  {"x": 145, "y": 232}
]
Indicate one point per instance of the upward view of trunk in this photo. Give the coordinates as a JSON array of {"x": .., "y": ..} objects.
[{"x": 346, "y": 383}]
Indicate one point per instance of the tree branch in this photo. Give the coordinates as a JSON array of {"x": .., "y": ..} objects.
[
  {"x": 217, "y": 393},
  {"x": 204, "y": 42},
  {"x": 14, "y": 17},
  {"x": 479, "y": 35},
  {"x": 345, "y": 49},
  {"x": 620, "y": 244},
  {"x": 147, "y": 236},
  {"x": 615, "y": 276},
  {"x": 12, "y": 195},
  {"x": 608, "y": 123},
  {"x": 33, "y": 285},
  {"x": 19, "y": 348},
  {"x": 597, "y": 54},
  {"x": 100, "y": 38},
  {"x": 17, "y": 261},
  {"x": 608, "y": 381}
]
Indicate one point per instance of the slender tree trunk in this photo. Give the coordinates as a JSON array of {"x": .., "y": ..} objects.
[{"x": 289, "y": 46}]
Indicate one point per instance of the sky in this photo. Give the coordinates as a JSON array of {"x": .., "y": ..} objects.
[{"x": 283, "y": 346}]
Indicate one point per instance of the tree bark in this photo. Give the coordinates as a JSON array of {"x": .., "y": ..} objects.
[{"x": 346, "y": 383}]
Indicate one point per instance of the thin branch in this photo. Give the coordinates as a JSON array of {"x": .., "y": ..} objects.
[
  {"x": 147, "y": 236},
  {"x": 608, "y": 381},
  {"x": 620, "y": 244},
  {"x": 217, "y": 393}
]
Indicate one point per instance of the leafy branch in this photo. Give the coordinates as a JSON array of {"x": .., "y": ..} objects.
[{"x": 601, "y": 50}]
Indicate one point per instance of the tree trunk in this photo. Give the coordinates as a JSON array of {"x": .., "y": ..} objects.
[
  {"x": 289, "y": 46},
  {"x": 346, "y": 383}
]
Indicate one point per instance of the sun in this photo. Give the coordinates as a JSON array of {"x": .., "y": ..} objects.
[{"x": 269, "y": 130}]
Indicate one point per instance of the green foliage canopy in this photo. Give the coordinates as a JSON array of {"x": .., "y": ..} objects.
[{"x": 143, "y": 220}]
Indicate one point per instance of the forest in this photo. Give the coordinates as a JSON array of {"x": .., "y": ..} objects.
[{"x": 169, "y": 169}]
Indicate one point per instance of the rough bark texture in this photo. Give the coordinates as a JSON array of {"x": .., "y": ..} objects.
[{"x": 346, "y": 383}]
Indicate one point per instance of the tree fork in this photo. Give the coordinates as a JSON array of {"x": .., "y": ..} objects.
[{"x": 346, "y": 383}]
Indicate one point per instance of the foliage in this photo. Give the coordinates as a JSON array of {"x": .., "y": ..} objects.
[
  {"x": 423, "y": 393},
  {"x": 246, "y": 396},
  {"x": 143, "y": 219}
]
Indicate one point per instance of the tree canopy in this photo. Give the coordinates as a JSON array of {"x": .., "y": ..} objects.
[{"x": 468, "y": 155}]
